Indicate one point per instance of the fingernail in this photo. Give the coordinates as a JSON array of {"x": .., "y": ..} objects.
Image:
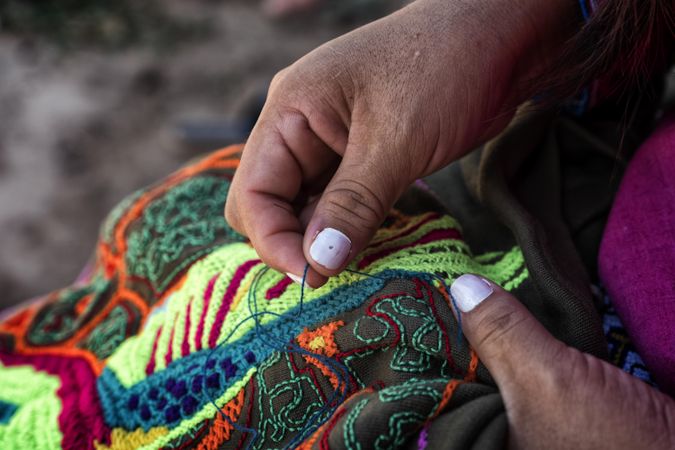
[
  {"x": 330, "y": 248},
  {"x": 469, "y": 291},
  {"x": 298, "y": 280},
  {"x": 295, "y": 278}
]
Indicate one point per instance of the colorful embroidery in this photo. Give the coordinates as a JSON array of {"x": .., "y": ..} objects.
[
  {"x": 29, "y": 409},
  {"x": 158, "y": 349}
]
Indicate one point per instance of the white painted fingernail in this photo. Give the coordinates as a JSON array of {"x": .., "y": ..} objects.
[
  {"x": 330, "y": 248},
  {"x": 470, "y": 291}
]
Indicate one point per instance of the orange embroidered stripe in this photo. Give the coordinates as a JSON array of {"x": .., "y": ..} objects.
[
  {"x": 473, "y": 366},
  {"x": 452, "y": 384},
  {"x": 221, "y": 430},
  {"x": 471, "y": 371}
]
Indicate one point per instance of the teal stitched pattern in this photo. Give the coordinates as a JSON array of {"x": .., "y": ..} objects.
[
  {"x": 180, "y": 337},
  {"x": 177, "y": 229},
  {"x": 351, "y": 442}
]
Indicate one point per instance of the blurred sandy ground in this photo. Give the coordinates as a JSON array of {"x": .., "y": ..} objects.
[{"x": 88, "y": 117}]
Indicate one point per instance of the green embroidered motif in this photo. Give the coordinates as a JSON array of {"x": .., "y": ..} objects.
[
  {"x": 375, "y": 329},
  {"x": 349, "y": 434},
  {"x": 426, "y": 336},
  {"x": 509, "y": 268},
  {"x": 60, "y": 319},
  {"x": 179, "y": 228},
  {"x": 386, "y": 329},
  {"x": 412, "y": 388},
  {"x": 426, "y": 395},
  {"x": 397, "y": 435},
  {"x": 112, "y": 331},
  {"x": 114, "y": 216},
  {"x": 286, "y": 405}
]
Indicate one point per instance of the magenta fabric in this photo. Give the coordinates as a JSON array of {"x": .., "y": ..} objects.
[{"x": 637, "y": 255}]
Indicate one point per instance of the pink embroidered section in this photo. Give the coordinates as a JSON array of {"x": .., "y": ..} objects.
[
  {"x": 150, "y": 368},
  {"x": 168, "y": 357},
  {"x": 278, "y": 289},
  {"x": 208, "y": 293},
  {"x": 185, "y": 345},
  {"x": 228, "y": 297}
]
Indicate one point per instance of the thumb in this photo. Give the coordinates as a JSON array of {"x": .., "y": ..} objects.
[
  {"x": 511, "y": 343},
  {"x": 351, "y": 208}
]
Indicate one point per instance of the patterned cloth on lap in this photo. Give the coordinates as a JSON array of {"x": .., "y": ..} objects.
[
  {"x": 139, "y": 353},
  {"x": 180, "y": 337}
]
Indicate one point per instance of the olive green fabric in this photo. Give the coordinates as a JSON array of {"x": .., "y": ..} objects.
[
  {"x": 376, "y": 360},
  {"x": 547, "y": 184}
]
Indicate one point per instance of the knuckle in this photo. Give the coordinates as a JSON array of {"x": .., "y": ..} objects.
[
  {"x": 290, "y": 120},
  {"x": 278, "y": 78},
  {"x": 556, "y": 382},
  {"x": 232, "y": 217},
  {"x": 355, "y": 203},
  {"x": 497, "y": 325}
]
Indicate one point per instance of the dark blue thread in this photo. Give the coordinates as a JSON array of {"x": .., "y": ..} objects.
[
  {"x": 339, "y": 370},
  {"x": 584, "y": 10},
  {"x": 443, "y": 283}
]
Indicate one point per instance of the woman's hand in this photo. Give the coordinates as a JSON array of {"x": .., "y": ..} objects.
[
  {"x": 349, "y": 126},
  {"x": 555, "y": 396}
]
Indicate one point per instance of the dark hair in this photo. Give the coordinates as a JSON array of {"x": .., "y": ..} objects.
[{"x": 625, "y": 41}]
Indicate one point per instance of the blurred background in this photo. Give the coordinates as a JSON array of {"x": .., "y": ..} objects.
[{"x": 99, "y": 98}]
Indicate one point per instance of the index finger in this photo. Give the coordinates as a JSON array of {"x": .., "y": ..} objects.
[{"x": 275, "y": 163}]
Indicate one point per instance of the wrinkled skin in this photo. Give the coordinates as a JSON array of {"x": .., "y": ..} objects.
[
  {"x": 557, "y": 397},
  {"x": 349, "y": 126}
]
